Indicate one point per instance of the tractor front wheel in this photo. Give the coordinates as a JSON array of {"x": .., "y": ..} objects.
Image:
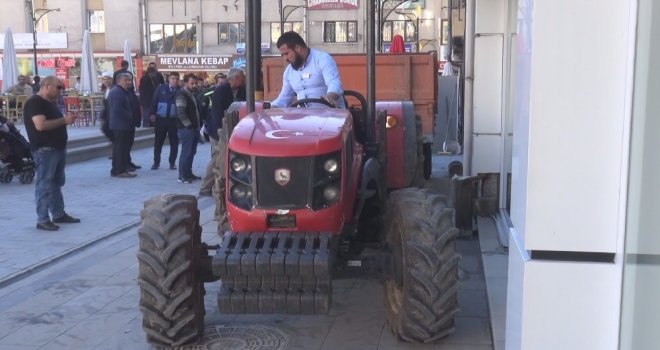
[
  {"x": 171, "y": 286},
  {"x": 421, "y": 296}
]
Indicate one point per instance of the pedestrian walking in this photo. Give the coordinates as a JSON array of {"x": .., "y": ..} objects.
[
  {"x": 163, "y": 115},
  {"x": 46, "y": 129},
  {"x": 188, "y": 127}
]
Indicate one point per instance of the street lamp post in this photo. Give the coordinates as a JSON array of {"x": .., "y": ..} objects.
[{"x": 37, "y": 15}]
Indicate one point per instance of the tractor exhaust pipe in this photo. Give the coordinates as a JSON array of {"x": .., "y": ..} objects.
[
  {"x": 252, "y": 51},
  {"x": 371, "y": 71}
]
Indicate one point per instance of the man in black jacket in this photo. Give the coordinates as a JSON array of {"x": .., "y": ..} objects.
[
  {"x": 188, "y": 122},
  {"x": 148, "y": 84},
  {"x": 123, "y": 69},
  {"x": 233, "y": 89}
]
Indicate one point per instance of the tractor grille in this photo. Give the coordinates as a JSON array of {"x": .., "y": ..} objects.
[{"x": 294, "y": 194}]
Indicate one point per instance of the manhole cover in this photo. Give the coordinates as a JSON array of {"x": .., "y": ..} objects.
[{"x": 242, "y": 337}]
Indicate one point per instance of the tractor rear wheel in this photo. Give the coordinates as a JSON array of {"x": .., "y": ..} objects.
[
  {"x": 171, "y": 287},
  {"x": 421, "y": 296}
]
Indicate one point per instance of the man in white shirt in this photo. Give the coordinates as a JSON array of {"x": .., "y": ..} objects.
[{"x": 310, "y": 74}]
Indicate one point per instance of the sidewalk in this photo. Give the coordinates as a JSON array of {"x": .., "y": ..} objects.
[
  {"x": 86, "y": 196},
  {"x": 51, "y": 298}
]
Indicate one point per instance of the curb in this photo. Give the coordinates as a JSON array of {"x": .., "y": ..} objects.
[
  {"x": 28, "y": 271},
  {"x": 19, "y": 275}
]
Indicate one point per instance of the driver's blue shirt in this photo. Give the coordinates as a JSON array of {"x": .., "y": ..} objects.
[{"x": 317, "y": 77}]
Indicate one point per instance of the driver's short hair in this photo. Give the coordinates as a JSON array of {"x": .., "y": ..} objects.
[{"x": 291, "y": 39}]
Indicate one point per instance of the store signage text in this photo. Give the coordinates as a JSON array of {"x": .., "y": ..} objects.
[
  {"x": 332, "y": 4},
  {"x": 192, "y": 62}
]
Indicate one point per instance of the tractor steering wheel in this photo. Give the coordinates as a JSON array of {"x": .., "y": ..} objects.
[{"x": 303, "y": 101}]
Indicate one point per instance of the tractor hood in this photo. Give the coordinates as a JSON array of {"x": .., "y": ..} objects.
[{"x": 291, "y": 132}]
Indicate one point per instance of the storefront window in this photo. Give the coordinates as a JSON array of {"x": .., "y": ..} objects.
[
  {"x": 172, "y": 38},
  {"x": 288, "y": 26},
  {"x": 404, "y": 28},
  {"x": 230, "y": 33},
  {"x": 339, "y": 32}
]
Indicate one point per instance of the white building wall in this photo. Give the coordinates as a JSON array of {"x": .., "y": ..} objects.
[
  {"x": 15, "y": 15},
  {"x": 69, "y": 19},
  {"x": 122, "y": 21},
  {"x": 571, "y": 89}
]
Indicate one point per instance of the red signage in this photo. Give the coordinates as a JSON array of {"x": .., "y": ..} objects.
[
  {"x": 332, "y": 4},
  {"x": 63, "y": 74},
  {"x": 60, "y": 62}
]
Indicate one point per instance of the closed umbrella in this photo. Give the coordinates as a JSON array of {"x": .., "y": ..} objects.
[
  {"x": 9, "y": 62},
  {"x": 127, "y": 57},
  {"x": 88, "y": 74}
]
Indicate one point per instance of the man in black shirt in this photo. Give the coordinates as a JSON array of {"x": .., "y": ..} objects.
[{"x": 46, "y": 129}]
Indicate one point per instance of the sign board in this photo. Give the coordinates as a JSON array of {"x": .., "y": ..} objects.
[
  {"x": 240, "y": 47},
  {"x": 193, "y": 63},
  {"x": 407, "y": 48},
  {"x": 332, "y": 4},
  {"x": 23, "y": 41}
]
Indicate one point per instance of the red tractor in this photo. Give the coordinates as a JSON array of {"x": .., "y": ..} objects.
[
  {"x": 308, "y": 190},
  {"x": 304, "y": 195}
]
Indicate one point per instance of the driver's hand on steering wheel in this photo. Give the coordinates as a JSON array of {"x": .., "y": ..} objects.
[{"x": 331, "y": 98}]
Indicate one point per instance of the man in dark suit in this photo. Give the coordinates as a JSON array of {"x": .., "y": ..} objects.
[{"x": 122, "y": 123}]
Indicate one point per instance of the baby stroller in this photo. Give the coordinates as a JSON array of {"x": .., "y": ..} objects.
[{"x": 15, "y": 155}]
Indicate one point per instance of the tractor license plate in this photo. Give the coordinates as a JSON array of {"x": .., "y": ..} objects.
[{"x": 281, "y": 221}]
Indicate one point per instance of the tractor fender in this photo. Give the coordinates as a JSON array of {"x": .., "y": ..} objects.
[{"x": 372, "y": 171}]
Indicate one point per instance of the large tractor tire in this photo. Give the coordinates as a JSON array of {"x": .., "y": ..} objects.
[
  {"x": 171, "y": 287},
  {"x": 422, "y": 294}
]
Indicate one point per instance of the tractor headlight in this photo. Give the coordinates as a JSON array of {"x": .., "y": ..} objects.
[
  {"x": 327, "y": 180},
  {"x": 239, "y": 188},
  {"x": 238, "y": 164},
  {"x": 331, "y": 194},
  {"x": 240, "y": 192},
  {"x": 331, "y": 165}
]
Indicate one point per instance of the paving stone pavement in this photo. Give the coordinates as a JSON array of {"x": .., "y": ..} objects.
[
  {"x": 88, "y": 299},
  {"x": 103, "y": 203}
]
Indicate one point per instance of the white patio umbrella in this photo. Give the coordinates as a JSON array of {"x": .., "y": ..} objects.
[
  {"x": 9, "y": 62},
  {"x": 88, "y": 74},
  {"x": 127, "y": 57}
]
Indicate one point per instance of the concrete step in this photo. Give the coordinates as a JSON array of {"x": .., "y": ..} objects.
[{"x": 82, "y": 149}]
